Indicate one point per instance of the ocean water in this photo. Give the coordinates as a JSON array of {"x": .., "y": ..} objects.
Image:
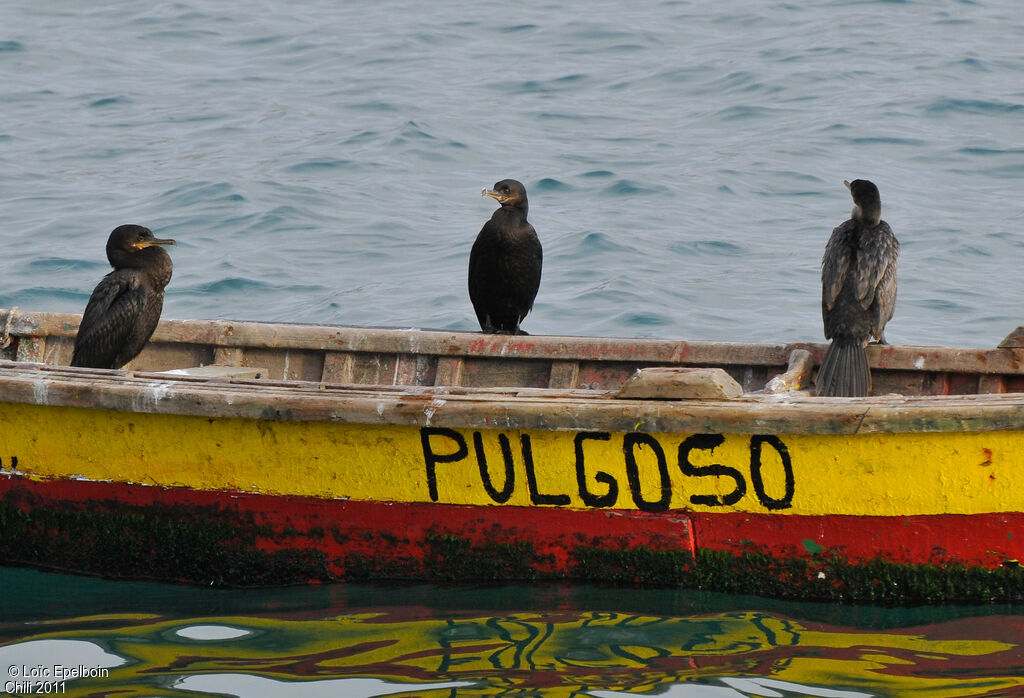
[
  {"x": 146, "y": 640},
  {"x": 322, "y": 161}
]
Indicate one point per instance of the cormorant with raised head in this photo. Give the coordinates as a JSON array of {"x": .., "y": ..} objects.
[
  {"x": 505, "y": 263},
  {"x": 125, "y": 306},
  {"x": 858, "y": 292}
]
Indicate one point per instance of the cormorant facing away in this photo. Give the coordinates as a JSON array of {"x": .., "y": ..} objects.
[
  {"x": 858, "y": 292},
  {"x": 505, "y": 263},
  {"x": 125, "y": 306}
]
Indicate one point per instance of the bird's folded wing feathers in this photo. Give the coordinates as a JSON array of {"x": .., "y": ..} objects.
[{"x": 110, "y": 315}]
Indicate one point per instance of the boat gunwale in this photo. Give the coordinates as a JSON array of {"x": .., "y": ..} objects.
[
  {"x": 380, "y": 340},
  {"x": 500, "y": 408}
]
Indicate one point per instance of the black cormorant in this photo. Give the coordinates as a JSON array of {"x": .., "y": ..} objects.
[
  {"x": 505, "y": 263},
  {"x": 858, "y": 292},
  {"x": 125, "y": 307}
]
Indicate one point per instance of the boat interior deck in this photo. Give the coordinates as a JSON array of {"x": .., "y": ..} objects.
[{"x": 413, "y": 357}]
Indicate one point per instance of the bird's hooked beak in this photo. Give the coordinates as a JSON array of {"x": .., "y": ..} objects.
[
  {"x": 846, "y": 184},
  {"x": 501, "y": 198},
  {"x": 141, "y": 244}
]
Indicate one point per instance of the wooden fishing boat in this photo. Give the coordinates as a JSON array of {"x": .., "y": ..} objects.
[{"x": 243, "y": 453}]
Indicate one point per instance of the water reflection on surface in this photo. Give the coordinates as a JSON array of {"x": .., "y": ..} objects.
[{"x": 143, "y": 640}]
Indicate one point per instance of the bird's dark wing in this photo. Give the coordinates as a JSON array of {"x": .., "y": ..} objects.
[
  {"x": 886, "y": 248},
  {"x": 878, "y": 252},
  {"x": 481, "y": 271},
  {"x": 113, "y": 309},
  {"x": 835, "y": 264},
  {"x": 531, "y": 271}
]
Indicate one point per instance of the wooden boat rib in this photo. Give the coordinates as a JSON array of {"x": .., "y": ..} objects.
[{"x": 412, "y": 454}]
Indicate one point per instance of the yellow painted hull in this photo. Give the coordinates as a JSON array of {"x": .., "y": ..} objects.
[{"x": 887, "y": 474}]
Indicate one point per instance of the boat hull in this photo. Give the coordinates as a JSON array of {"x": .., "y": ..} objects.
[{"x": 881, "y": 517}]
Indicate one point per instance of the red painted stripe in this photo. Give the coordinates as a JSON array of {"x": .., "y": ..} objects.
[
  {"x": 385, "y": 531},
  {"x": 976, "y": 539},
  {"x": 393, "y": 535}
]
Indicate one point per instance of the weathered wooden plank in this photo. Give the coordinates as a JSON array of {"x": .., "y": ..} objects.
[
  {"x": 59, "y": 350},
  {"x": 652, "y": 352},
  {"x": 483, "y": 372},
  {"x": 944, "y": 359},
  {"x": 337, "y": 367},
  {"x": 395, "y": 341},
  {"x": 1014, "y": 340},
  {"x": 219, "y": 371},
  {"x": 992, "y": 384},
  {"x": 415, "y": 369},
  {"x": 564, "y": 374},
  {"x": 606, "y": 375},
  {"x": 500, "y": 409},
  {"x": 603, "y": 363},
  {"x": 162, "y": 357},
  {"x": 289, "y": 364},
  {"x": 664, "y": 383},
  {"x": 31, "y": 348},
  {"x": 228, "y": 356},
  {"x": 797, "y": 375},
  {"x": 449, "y": 370},
  {"x": 373, "y": 369}
]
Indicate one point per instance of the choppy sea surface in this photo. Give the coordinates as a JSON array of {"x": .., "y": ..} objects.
[{"x": 321, "y": 161}]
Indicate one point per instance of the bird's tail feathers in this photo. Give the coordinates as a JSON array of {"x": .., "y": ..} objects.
[{"x": 844, "y": 370}]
